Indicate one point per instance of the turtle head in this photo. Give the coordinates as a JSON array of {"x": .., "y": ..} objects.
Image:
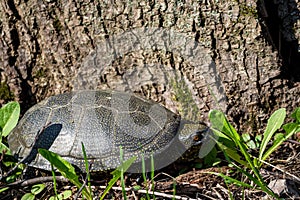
[{"x": 191, "y": 133}]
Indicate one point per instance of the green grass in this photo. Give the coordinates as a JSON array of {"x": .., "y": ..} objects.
[
  {"x": 235, "y": 147},
  {"x": 236, "y": 150}
]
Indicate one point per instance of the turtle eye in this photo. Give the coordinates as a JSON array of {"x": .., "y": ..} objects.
[{"x": 196, "y": 138}]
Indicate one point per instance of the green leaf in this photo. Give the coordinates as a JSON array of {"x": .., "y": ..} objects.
[
  {"x": 66, "y": 194},
  {"x": 291, "y": 127},
  {"x": 211, "y": 157},
  {"x": 219, "y": 122},
  {"x": 9, "y": 116},
  {"x": 233, "y": 154},
  {"x": 3, "y": 189},
  {"x": 258, "y": 138},
  {"x": 58, "y": 197},
  {"x": 36, "y": 189},
  {"x": 251, "y": 144},
  {"x": 117, "y": 174},
  {"x": 136, "y": 187},
  {"x": 28, "y": 196},
  {"x": 296, "y": 115},
  {"x": 64, "y": 167},
  {"x": 246, "y": 137},
  {"x": 274, "y": 123}
]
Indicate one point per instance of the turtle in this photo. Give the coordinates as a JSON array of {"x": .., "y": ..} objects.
[{"x": 104, "y": 121}]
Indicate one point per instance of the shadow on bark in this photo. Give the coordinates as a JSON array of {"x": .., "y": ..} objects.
[{"x": 279, "y": 19}]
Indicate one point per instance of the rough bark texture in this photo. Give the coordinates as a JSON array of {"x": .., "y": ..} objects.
[{"x": 44, "y": 45}]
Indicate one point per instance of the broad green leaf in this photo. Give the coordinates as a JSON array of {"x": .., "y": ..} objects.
[
  {"x": 291, "y": 127},
  {"x": 233, "y": 154},
  {"x": 211, "y": 157},
  {"x": 223, "y": 138},
  {"x": 58, "y": 197},
  {"x": 117, "y": 174},
  {"x": 61, "y": 164},
  {"x": 274, "y": 123},
  {"x": 36, "y": 189},
  {"x": 66, "y": 194},
  {"x": 217, "y": 118},
  {"x": 258, "y": 138},
  {"x": 64, "y": 167},
  {"x": 251, "y": 144},
  {"x": 246, "y": 137},
  {"x": 9, "y": 116},
  {"x": 219, "y": 122},
  {"x": 136, "y": 187},
  {"x": 28, "y": 196},
  {"x": 279, "y": 138},
  {"x": 296, "y": 115}
]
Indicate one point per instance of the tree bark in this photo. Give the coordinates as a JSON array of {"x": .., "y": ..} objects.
[{"x": 49, "y": 47}]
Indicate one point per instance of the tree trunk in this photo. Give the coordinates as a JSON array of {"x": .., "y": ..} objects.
[{"x": 225, "y": 53}]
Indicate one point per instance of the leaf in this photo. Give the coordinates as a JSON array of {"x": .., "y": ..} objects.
[
  {"x": 219, "y": 122},
  {"x": 36, "y": 189},
  {"x": 58, "y": 197},
  {"x": 296, "y": 115},
  {"x": 274, "y": 123},
  {"x": 233, "y": 154},
  {"x": 211, "y": 157},
  {"x": 3, "y": 189},
  {"x": 251, "y": 144},
  {"x": 217, "y": 118},
  {"x": 291, "y": 127},
  {"x": 9, "y": 116},
  {"x": 28, "y": 196},
  {"x": 246, "y": 137},
  {"x": 64, "y": 167},
  {"x": 66, "y": 194}
]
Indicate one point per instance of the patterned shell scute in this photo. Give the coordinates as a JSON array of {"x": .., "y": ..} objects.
[{"x": 103, "y": 121}]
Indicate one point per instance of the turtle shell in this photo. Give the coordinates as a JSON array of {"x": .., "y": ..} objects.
[{"x": 103, "y": 121}]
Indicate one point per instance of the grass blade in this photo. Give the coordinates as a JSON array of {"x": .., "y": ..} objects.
[
  {"x": 122, "y": 175},
  {"x": 54, "y": 180},
  {"x": 87, "y": 169},
  {"x": 232, "y": 180},
  {"x": 144, "y": 176},
  {"x": 117, "y": 174}
]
